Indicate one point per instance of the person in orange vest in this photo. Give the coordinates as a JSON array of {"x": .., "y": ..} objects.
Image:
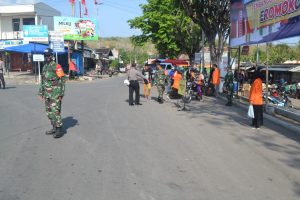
[
  {"x": 256, "y": 100},
  {"x": 216, "y": 79},
  {"x": 73, "y": 69},
  {"x": 176, "y": 78}
]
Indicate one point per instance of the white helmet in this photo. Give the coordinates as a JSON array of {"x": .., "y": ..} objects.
[{"x": 126, "y": 82}]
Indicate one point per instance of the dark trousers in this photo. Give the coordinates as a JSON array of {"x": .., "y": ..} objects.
[
  {"x": 2, "y": 80},
  {"x": 134, "y": 87},
  {"x": 229, "y": 97},
  {"x": 257, "y": 121}
]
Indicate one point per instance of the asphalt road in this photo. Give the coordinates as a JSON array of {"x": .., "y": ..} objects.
[{"x": 151, "y": 152}]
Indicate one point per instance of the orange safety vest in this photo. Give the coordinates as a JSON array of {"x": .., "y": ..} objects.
[
  {"x": 216, "y": 76},
  {"x": 177, "y": 77},
  {"x": 256, "y": 96}
]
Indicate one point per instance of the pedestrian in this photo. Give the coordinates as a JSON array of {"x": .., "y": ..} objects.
[
  {"x": 134, "y": 85},
  {"x": 175, "y": 86},
  {"x": 2, "y": 81},
  {"x": 256, "y": 99},
  {"x": 228, "y": 86},
  {"x": 51, "y": 90},
  {"x": 216, "y": 79},
  {"x": 160, "y": 81},
  {"x": 73, "y": 70},
  {"x": 147, "y": 86}
]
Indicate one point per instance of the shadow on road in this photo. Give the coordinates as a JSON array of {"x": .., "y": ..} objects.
[
  {"x": 7, "y": 88},
  {"x": 237, "y": 115},
  {"x": 69, "y": 122}
]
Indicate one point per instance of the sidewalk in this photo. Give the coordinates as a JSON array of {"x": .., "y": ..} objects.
[
  {"x": 293, "y": 126},
  {"x": 20, "y": 78},
  {"x": 284, "y": 119},
  {"x": 28, "y": 78}
]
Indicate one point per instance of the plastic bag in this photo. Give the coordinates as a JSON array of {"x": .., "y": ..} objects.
[
  {"x": 250, "y": 111},
  {"x": 126, "y": 82}
]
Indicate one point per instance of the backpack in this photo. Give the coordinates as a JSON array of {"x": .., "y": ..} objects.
[{"x": 59, "y": 71}]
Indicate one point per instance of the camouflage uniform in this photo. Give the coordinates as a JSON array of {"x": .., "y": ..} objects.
[
  {"x": 160, "y": 81},
  {"x": 229, "y": 87},
  {"x": 52, "y": 87}
]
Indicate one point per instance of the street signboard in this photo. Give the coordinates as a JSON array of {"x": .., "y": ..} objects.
[
  {"x": 35, "y": 33},
  {"x": 57, "y": 41},
  {"x": 10, "y": 43},
  {"x": 77, "y": 28},
  {"x": 38, "y": 57}
]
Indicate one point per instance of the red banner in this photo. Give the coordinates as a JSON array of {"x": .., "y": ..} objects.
[{"x": 72, "y": 1}]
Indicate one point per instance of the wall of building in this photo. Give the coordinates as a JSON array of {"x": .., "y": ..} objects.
[{"x": 44, "y": 12}]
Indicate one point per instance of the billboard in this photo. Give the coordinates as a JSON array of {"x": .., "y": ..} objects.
[
  {"x": 35, "y": 33},
  {"x": 260, "y": 21},
  {"x": 77, "y": 28}
]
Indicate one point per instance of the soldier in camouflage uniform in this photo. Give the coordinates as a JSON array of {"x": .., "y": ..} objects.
[
  {"x": 52, "y": 91},
  {"x": 228, "y": 86},
  {"x": 160, "y": 81}
]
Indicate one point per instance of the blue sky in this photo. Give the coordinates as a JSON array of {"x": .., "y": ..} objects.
[{"x": 112, "y": 14}]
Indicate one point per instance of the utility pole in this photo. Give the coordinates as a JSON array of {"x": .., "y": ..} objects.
[
  {"x": 82, "y": 44},
  {"x": 203, "y": 60}
]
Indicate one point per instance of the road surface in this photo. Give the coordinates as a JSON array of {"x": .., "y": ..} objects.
[{"x": 113, "y": 151}]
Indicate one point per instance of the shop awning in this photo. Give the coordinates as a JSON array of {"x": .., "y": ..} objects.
[
  {"x": 29, "y": 48},
  {"x": 284, "y": 69}
]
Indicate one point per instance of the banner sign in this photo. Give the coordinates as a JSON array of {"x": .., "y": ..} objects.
[
  {"x": 77, "y": 28},
  {"x": 35, "y": 33},
  {"x": 57, "y": 41},
  {"x": 10, "y": 43},
  {"x": 182, "y": 87},
  {"x": 260, "y": 21}
]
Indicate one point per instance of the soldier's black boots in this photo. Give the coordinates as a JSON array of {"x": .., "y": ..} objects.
[
  {"x": 160, "y": 100},
  {"x": 52, "y": 131},
  {"x": 58, "y": 132}
]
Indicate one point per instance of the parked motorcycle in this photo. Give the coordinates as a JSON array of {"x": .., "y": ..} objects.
[
  {"x": 281, "y": 101},
  {"x": 193, "y": 90}
]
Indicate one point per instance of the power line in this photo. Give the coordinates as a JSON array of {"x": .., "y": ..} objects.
[
  {"x": 121, "y": 8},
  {"x": 120, "y": 4}
]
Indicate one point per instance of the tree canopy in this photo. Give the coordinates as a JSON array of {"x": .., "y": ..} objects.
[
  {"x": 168, "y": 28},
  {"x": 214, "y": 19}
]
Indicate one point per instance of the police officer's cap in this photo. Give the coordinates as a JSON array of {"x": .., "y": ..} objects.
[{"x": 48, "y": 52}]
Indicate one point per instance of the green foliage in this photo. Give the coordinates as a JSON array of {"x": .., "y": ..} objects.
[
  {"x": 131, "y": 56},
  {"x": 214, "y": 19},
  {"x": 167, "y": 27},
  {"x": 277, "y": 54},
  {"x": 281, "y": 53},
  {"x": 114, "y": 64}
]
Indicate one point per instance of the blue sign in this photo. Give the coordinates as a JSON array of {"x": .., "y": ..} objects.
[
  {"x": 35, "y": 33},
  {"x": 57, "y": 41}
]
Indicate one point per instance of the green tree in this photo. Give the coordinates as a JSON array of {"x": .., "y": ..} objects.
[
  {"x": 281, "y": 53},
  {"x": 114, "y": 64},
  {"x": 167, "y": 27},
  {"x": 214, "y": 19}
]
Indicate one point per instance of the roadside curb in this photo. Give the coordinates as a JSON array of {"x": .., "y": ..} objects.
[{"x": 280, "y": 122}]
